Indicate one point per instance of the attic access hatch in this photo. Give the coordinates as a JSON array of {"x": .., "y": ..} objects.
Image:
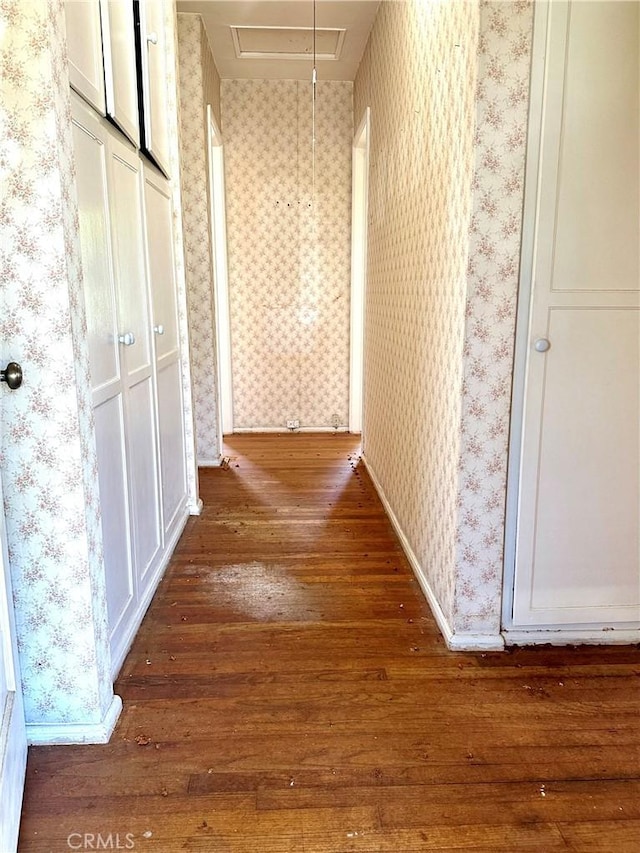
[{"x": 286, "y": 42}]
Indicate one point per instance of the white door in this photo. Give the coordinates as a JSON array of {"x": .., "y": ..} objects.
[
  {"x": 159, "y": 235},
  {"x": 578, "y": 547},
  {"x": 107, "y": 343},
  {"x": 84, "y": 49},
  {"x": 13, "y": 739},
  {"x": 136, "y": 361},
  {"x": 119, "y": 51}
]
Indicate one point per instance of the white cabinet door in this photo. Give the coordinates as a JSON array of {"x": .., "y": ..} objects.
[
  {"x": 119, "y": 51},
  {"x": 152, "y": 49},
  {"x": 84, "y": 47},
  {"x": 578, "y": 540},
  {"x": 159, "y": 231},
  {"x": 13, "y": 739},
  {"x": 127, "y": 227},
  {"x": 90, "y": 140}
]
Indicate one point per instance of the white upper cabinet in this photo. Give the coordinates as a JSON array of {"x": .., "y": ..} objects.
[
  {"x": 150, "y": 30},
  {"x": 119, "y": 51},
  {"x": 84, "y": 46}
]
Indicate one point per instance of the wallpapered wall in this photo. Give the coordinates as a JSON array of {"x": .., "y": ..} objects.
[
  {"x": 289, "y": 245},
  {"x": 448, "y": 86},
  {"x": 48, "y": 458},
  {"x": 502, "y": 105},
  {"x": 418, "y": 76},
  {"x": 194, "y": 57}
]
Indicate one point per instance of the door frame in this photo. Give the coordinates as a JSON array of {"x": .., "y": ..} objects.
[
  {"x": 525, "y": 295},
  {"x": 220, "y": 273},
  {"x": 359, "y": 220}
]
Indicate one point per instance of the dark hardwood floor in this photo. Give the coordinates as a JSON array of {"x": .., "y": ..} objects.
[{"x": 289, "y": 693}]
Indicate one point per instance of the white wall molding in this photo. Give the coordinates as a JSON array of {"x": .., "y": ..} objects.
[{"x": 44, "y": 734}]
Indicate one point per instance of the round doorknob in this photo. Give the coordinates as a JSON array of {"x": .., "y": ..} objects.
[
  {"x": 12, "y": 375},
  {"x": 128, "y": 339},
  {"x": 542, "y": 345}
]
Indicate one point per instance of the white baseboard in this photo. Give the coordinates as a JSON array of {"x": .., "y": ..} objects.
[
  {"x": 571, "y": 637},
  {"x": 470, "y": 642},
  {"x": 209, "y": 463},
  {"x": 455, "y": 641},
  {"x": 143, "y": 605},
  {"x": 43, "y": 734},
  {"x": 438, "y": 615},
  {"x": 282, "y": 430},
  {"x": 196, "y": 508}
]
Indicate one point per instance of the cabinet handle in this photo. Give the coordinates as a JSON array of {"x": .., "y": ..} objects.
[
  {"x": 159, "y": 329},
  {"x": 152, "y": 38},
  {"x": 128, "y": 339},
  {"x": 542, "y": 345}
]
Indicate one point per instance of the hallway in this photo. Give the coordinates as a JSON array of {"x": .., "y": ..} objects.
[{"x": 289, "y": 692}]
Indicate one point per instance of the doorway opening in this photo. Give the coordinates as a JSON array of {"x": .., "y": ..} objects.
[
  {"x": 220, "y": 276},
  {"x": 359, "y": 214}
]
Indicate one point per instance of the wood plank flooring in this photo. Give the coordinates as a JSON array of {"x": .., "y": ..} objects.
[{"x": 289, "y": 693}]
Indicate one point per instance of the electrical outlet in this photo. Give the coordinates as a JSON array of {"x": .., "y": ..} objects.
[
  {"x": 335, "y": 421},
  {"x": 293, "y": 423}
]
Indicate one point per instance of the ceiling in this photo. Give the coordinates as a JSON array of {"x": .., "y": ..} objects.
[{"x": 273, "y": 39}]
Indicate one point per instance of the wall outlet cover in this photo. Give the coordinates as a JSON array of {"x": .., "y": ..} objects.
[{"x": 293, "y": 423}]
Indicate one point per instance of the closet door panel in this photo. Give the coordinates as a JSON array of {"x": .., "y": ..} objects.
[
  {"x": 172, "y": 443},
  {"x": 121, "y": 85},
  {"x": 143, "y": 475},
  {"x": 112, "y": 477},
  {"x": 153, "y": 77},
  {"x": 84, "y": 48},
  {"x": 91, "y": 177}
]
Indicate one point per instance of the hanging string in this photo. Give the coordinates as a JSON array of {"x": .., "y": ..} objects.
[{"x": 314, "y": 80}]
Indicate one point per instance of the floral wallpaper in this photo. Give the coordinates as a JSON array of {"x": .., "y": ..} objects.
[
  {"x": 448, "y": 86},
  {"x": 192, "y": 51},
  {"x": 48, "y": 455},
  {"x": 289, "y": 239},
  {"x": 418, "y": 76},
  {"x": 502, "y": 104},
  {"x": 173, "y": 126}
]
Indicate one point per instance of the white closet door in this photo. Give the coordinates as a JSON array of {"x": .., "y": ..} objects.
[
  {"x": 578, "y": 545},
  {"x": 90, "y": 140},
  {"x": 120, "y": 66},
  {"x": 84, "y": 47},
  {"x": 159, "y": 232},
  {"x": 151, "y": 32},
  {"x": 136, "y": 356}
]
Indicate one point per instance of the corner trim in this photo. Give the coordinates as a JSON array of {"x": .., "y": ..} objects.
[
  {"x": 45, "y": 734},
  {"x": 456, "y": 641},
  {"x": 196, "y": 508}
]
